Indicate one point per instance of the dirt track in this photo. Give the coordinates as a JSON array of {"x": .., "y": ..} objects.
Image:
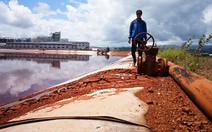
[{"x": 170, "y": 109}]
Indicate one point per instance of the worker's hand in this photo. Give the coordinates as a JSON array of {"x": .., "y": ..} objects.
[
  {"x": 129, "y": 41},
  {"x": 144, "y": 42}
]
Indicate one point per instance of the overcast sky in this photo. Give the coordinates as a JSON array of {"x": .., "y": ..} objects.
[{"x": 105, "y": 22}]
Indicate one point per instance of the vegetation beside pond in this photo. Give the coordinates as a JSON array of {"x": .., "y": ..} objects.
[{"x": 190, "y": 59}]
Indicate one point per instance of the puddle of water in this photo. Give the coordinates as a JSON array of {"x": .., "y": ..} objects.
[{"x": 24, "y": 74}]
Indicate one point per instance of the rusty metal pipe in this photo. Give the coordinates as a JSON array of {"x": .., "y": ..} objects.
[{"x": 196, "y": 87}]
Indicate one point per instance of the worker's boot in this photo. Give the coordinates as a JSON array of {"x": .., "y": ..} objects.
[{"x": 133, "y": 64}]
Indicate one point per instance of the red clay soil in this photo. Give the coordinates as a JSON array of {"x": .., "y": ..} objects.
[
  {"x": 120, "y": 53},
  {"x": 169, "y": 108}
]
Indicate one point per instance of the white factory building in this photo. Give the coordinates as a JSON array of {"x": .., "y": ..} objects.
[
  {"x": 48, "y": 45},
  {"x": 52, "y": 42}
]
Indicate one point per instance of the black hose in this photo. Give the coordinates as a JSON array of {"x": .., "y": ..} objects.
[{"x": 33, "y": 120}]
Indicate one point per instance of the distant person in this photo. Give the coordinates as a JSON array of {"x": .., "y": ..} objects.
[{"x": 137, "y": 26}]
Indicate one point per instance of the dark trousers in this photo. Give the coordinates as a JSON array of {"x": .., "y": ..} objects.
[{"x": 134, "y": 49}]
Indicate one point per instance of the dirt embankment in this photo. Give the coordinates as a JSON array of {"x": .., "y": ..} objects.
[
  {"x": 169, "y": 108},
  {"x": 120, "y": 53}
]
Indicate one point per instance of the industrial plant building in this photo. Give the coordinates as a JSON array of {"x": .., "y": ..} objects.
[
  {"x": 54, "y": 42},
  {"x": 48, "y": 45}
]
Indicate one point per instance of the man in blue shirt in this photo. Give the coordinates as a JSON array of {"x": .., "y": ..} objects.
[{"x": 137, "y": 26}]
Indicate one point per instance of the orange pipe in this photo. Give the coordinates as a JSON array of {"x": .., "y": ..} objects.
[{"x": 196, "y": 87}]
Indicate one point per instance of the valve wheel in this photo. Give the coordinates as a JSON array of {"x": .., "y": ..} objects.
[{"x": 143, "y": 43}]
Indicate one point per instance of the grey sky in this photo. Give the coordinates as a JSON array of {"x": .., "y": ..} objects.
[{"x": 106, "y": 23}]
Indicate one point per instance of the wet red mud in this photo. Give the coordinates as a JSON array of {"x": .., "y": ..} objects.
[
  {"x": 120, "y": 53},
  {"x": 169, "y": 107}
]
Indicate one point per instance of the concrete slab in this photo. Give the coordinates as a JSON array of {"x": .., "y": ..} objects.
[
  {"x": 119, "y": 103},
  {"x": 125, "y": 63},
  {"x": 37, "y": 51}
]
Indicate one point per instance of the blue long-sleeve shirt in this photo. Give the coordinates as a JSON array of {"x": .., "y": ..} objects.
[{"x": 137, "y": 26}]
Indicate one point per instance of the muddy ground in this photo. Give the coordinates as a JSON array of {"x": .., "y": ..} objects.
[
  {"x": 169, "y": 108},
  {"x": 120, "y": 53}
]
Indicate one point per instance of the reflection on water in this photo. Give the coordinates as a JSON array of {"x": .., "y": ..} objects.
[
  {"x": 22, "y": 74},
  {"x": 53, "y": 59}
]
